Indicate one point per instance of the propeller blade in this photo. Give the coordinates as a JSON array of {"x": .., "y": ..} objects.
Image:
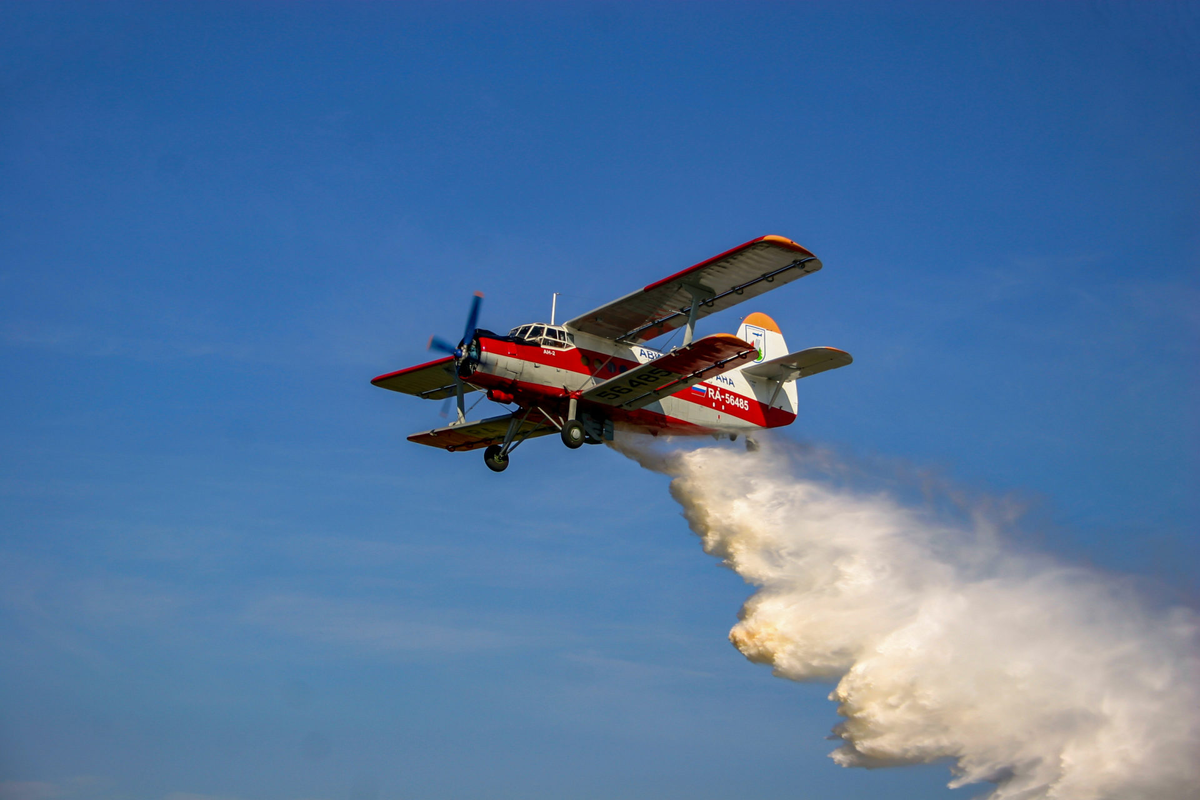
[
  {"x": 441, "y": 345},
  {"x": 473, "y": 317}
]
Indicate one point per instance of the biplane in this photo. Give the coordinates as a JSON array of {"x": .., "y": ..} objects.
[{"x": 594, "y": 376}]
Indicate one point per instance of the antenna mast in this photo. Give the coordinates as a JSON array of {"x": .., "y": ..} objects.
[{"x": 553, "y": 306}]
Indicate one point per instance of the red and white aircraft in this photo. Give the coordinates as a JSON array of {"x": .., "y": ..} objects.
[{"x": 593, "y": 375}]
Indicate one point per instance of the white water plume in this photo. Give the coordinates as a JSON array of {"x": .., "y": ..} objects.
[{"x": 945, "y": 643}]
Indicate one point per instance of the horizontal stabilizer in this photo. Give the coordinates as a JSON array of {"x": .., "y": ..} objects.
[
  {"x": 672, "y": 372},
  {"x": 800, "y": 365},
  {"x": 473, "y": 435}
]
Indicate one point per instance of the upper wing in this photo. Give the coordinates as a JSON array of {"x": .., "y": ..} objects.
[
  {"x": 433, "y": 381},
  {"x": 725, "y": 280},
  {"x": 473, "y": 435},
  {"x": 801, "y": 364},
  {"x": 671, "y": 373}
]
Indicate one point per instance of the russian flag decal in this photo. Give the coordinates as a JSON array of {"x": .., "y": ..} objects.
[{"x": 698, "y": 389}]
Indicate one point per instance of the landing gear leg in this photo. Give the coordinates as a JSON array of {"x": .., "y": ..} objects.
[{"x": 496, "y": 455}]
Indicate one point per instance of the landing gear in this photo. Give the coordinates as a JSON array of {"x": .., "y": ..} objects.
[
  {"x": 495, "y": 458},
  {"x": 751, "y": 445},
  {"x": 573, "y": 434},
  {"x": 496, "y": 455}
]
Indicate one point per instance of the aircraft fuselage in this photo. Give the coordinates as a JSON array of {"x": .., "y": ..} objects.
[{"x": 551, "y": 375}]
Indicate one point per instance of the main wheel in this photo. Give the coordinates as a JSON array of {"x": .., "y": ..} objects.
[
  {"x": 573, "y": 434},
  {"x": 496, "y": 461}
]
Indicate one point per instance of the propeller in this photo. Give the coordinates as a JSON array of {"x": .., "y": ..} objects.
[{"x": 460, "y": 352}]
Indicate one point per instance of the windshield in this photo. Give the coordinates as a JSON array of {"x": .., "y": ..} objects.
[{"x": 542, "y": 334}]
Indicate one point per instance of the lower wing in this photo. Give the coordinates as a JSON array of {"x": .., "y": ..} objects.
[
  {"x": 473, "y": 435},
  {"x": 432, "y": 381}
]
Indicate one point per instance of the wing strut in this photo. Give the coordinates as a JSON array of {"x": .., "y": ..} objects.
[
  {"x": 788, "y": 374},
  {"x": 699, "y": 295},
  {"x": 514, "y": 425}
]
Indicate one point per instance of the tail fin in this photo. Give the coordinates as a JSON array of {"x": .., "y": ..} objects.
[{"x": 761, "y": 331}]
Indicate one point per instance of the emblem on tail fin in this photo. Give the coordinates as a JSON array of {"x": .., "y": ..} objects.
[{"x": 758, "y": 338}]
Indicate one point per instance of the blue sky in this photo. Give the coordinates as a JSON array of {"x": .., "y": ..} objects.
[{"x": 225, "y": 573}]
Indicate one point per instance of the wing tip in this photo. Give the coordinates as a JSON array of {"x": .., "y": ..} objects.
[{"x": 783, "y": 241}]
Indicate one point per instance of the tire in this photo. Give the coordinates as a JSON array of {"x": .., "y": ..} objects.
[
  {"x": 494, "y": 460},
  {"x": 573, "y": 434}
]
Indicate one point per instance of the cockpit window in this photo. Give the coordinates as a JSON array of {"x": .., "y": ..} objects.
[{"x": 544, "y": 335}]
